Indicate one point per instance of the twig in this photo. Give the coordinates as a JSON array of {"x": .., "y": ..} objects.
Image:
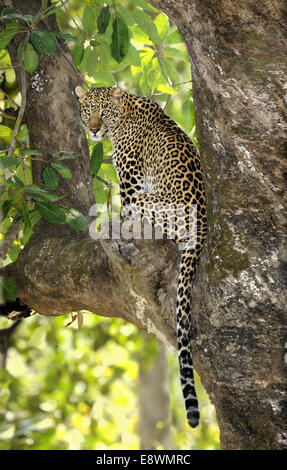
[
  {"x": 182, "y": 83},
  {"x": 73, "y": 19},
  {"x": 10, "y": 236},
  {"x": 9, "y": 98},
  {"x": 7, "y": 116},
  {"x": 163, "y": 71},
  {"x": 23, "y": 95}
]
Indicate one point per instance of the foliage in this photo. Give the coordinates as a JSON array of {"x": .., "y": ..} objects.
[{"x": 65, "y": 388}]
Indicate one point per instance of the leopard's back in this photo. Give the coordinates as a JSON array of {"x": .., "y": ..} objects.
[{"x": 161, "y": 183}]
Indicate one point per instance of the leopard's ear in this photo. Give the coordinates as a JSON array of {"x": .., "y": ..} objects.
[
  {"x": 116, "y": 94},
  {"x": 80, "y": 92}
]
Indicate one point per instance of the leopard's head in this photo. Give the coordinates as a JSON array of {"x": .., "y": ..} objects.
[{"x": 101, "y": 109}]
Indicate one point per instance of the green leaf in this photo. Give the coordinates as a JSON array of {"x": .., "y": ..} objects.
[
  {"x": 9, "y": 32},
  {"x": 174, "y": 38},
  {"x": 5, "y": 132},
  {"x": 6, "y": 206},
  {"x": 18, "y": 181},
  {"x": 77, "y": 54},
  {"x": 51, "y": 212},
  {"x": 31, "y": 152},
  {"x": 66, "y": 36},
  {"x": 103, "y": 19},
  {"x": 9, "y": 15},
  {"x": 89, "y": 61},
  {"x": 26, "y": 216},
  {"x": 65, "y": 155},
  {"x": 162, "y": 25},
  {"x": 44, "y": 41},
  {"x": 125, "y": 13},
  {"x": 89, "y": 20},
  {"x": 96, "y": 158},
  {"x": 14, "y": 252},
  {"x": 62, "y": 169},
  {"x": 133, "y": 56},
  {"x": 50, "y": 178},
  {"x": 92, "y": 62},
  {"x": 146, "y": 6},
  {"x": 9, "y": 289},
  {"x": 40, "y": 194},
  {"x": 15, "y": 192},
  {"x": 120, "y": 39},
  {"x": 31, "y": 59},
  {"x": 176, "y": 53},
  {"x": 170, "y": 71},
  {"x": 147, "y": 25},
  {"x": 51, "y": 9},
  {"x": 7, "y": 162},
  {"x": 103, "y": 79},
  {"x": 76, "y": 219},
  {"x": 166, "y": 89}
]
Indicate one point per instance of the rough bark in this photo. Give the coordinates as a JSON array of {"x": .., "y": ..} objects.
[
  {"x": 237, "y": 53},
  {"x": 238, "y": 60}
]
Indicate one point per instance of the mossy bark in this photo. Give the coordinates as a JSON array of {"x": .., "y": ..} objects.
[{"x": 238, "y": 61}]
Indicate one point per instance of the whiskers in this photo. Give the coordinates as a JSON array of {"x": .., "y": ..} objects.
[{"x": 81, "y": 124}]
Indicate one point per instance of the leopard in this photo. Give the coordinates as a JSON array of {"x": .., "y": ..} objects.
[{"x": 159, "y": 168}]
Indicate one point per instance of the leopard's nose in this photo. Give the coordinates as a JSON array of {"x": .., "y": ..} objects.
[{"x": 94, "y": 130}]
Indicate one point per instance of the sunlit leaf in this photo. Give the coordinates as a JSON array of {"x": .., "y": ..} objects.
[
  {"x": 166, "y": 89},
  {"x": 146, "y": 23},
  {"x": 162, "y": 25},
  {"x": 5, "y": 132},
  {"x": 62, "y": 169}
]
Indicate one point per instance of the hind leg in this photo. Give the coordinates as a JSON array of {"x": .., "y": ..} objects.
[{"x": 174, "y": 220}]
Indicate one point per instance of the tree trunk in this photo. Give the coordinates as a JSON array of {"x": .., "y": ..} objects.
[
  {"x": 237, "y": 52},
  {"x": 238, "y": 60},
  {"x": 154, "y": 430}
]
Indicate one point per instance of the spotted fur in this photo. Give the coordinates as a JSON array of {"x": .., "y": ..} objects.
[{"x": 158, "y": 167}]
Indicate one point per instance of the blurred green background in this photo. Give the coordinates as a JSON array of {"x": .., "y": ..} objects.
[{"x": 67, "y": 388}]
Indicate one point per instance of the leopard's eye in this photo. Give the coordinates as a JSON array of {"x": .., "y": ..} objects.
[
  {"x": 105, "y": 112},
  {"x": 87, "y": 112}
]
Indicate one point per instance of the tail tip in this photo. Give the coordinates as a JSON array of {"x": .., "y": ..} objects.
[{"x": 193, "y": 418}]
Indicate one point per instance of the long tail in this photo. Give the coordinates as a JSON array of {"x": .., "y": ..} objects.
[{"x": 183, "y": 321}]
